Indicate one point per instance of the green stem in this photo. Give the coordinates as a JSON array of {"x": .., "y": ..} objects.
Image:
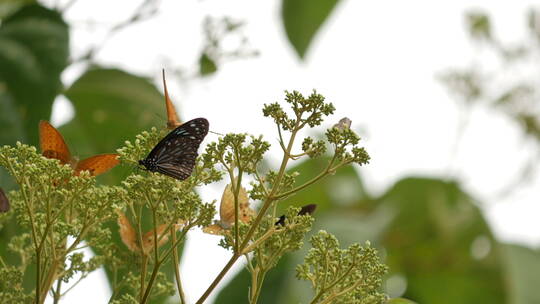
[
  {"x": 328, "y": 169},
  {"x": 260, "y": 279},
  {"x": 57, "y": 293},
  {"x": 160, "y": 261},
  {"x": 236, "y": 191},
  {"x": 34, "y": 239},
  {"x": 177, "y": 267},
  {"x": 154, "y": 221}
]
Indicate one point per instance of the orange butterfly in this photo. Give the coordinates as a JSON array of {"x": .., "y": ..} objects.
[
  {"x": 129, "y": 236},
  {"x": 53, "y": 146},
  {"x": 172, "y": 117},
  {"x": 226, "y": 211}
]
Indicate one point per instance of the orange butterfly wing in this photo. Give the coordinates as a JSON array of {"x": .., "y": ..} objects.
[
  {"x": 172, "y": 117},
  {"x": 52, "y": 143},
  {"x": 127, "y": 233},
  {"x": 215, "y": 229},
  {"x": 97, "y": 164},
  {"x": 227, "y": 212}
]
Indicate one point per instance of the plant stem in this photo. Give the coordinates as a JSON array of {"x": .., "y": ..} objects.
[
  {"x": 236, "y": 191},
  {"x": 218, "y": 278},
  {"x": 58, "y": 292},
  {"x": 160, "y": 261},
  {"x": 260, "y": 279},
  {"x": 176, "y": 266},
  {"x": 310, "y": 182}
]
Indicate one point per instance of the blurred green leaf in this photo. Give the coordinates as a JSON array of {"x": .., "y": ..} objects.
[
  {"x": 302, "y": 19},
  {"x": 523, "y": 274},
  {"x": 344, "y": 189},
  {"x": 400, "y": 301},
  {"x": 237, "y": 290},
  {"x": 479, "y": 25},
  {"x": 34, "y": 49},
  {"x": 111, "y": 106},
  {"x": 533, "y": 23},
  {"x": 518, "y": 94},
  {"x": 207, "y": 66},
  {"x": 7, "y": 7},
  {"x": 9, "y": 120},
  {"x": 439, "y": 239}
]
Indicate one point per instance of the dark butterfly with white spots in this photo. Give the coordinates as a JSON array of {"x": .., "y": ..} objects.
[
  {"x": 175, "y": 154},
  {"x": 307, "y": 209}
]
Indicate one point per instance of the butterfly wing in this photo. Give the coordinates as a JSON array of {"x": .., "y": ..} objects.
[
  {"x": 172, "y": 117},
  {"x": 127, "y": 232},
  {"x": 4, "y": 202},
  {"x": 226, "y": 209},
  {"x": 97, "y": 164},
  {"x": 52, "y": 143},
  {"x": 175, "y": 154},
  {"x": 214, "y": 229}
]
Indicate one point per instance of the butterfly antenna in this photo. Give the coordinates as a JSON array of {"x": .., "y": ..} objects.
[{"x": 215, "y": 133}]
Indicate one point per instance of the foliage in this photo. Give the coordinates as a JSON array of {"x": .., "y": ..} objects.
[
  {"x": 351, "y": 275},
  {"x": 53, "y": 204},
  {"x": 61, "y": 209}
]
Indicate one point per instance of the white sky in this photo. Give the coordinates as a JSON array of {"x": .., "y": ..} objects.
[{"x": 375, "y": 60}]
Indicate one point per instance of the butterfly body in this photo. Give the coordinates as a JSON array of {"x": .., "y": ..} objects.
[{"x": 175, "y": 154}]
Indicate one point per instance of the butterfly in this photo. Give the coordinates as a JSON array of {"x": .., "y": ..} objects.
[
  {"x": 307, "y": 209},
  {"x": 227, "y": 213},
  {"x": 4, "y": 202},
  {"x": 53, "y": 146},
  {"x": 172, "y": 117},
  {"x": 175, "y": 154},
  {"x": 129, "y": 236}
]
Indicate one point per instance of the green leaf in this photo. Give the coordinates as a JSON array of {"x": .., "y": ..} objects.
[
  {"x": 438, "y": 239},
  {"x": 207, "y": 66},
  {"x": 111, "y": 106},
  {"x": 400, "y": 301},
  {"x": 343, "y": 189},
  {"x": 302, "y": 19},
  {"x": 237, "y": 291},
  {"x": 7, "y": 7},
  {"x": 523, "y": 272},
  {"x": 34, "y": 49}
]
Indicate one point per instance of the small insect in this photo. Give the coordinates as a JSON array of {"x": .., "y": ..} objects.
[
  {"x": 53, "y": 146},
  {"x": 4, "y": 202},
  {"x": 175, "y": 154},
  {"x": 172, "y": 117},
  {"x": 307, "y": 209},
  {"x": 227, "y": 213},
  {"x": 343, "y": 124}
]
